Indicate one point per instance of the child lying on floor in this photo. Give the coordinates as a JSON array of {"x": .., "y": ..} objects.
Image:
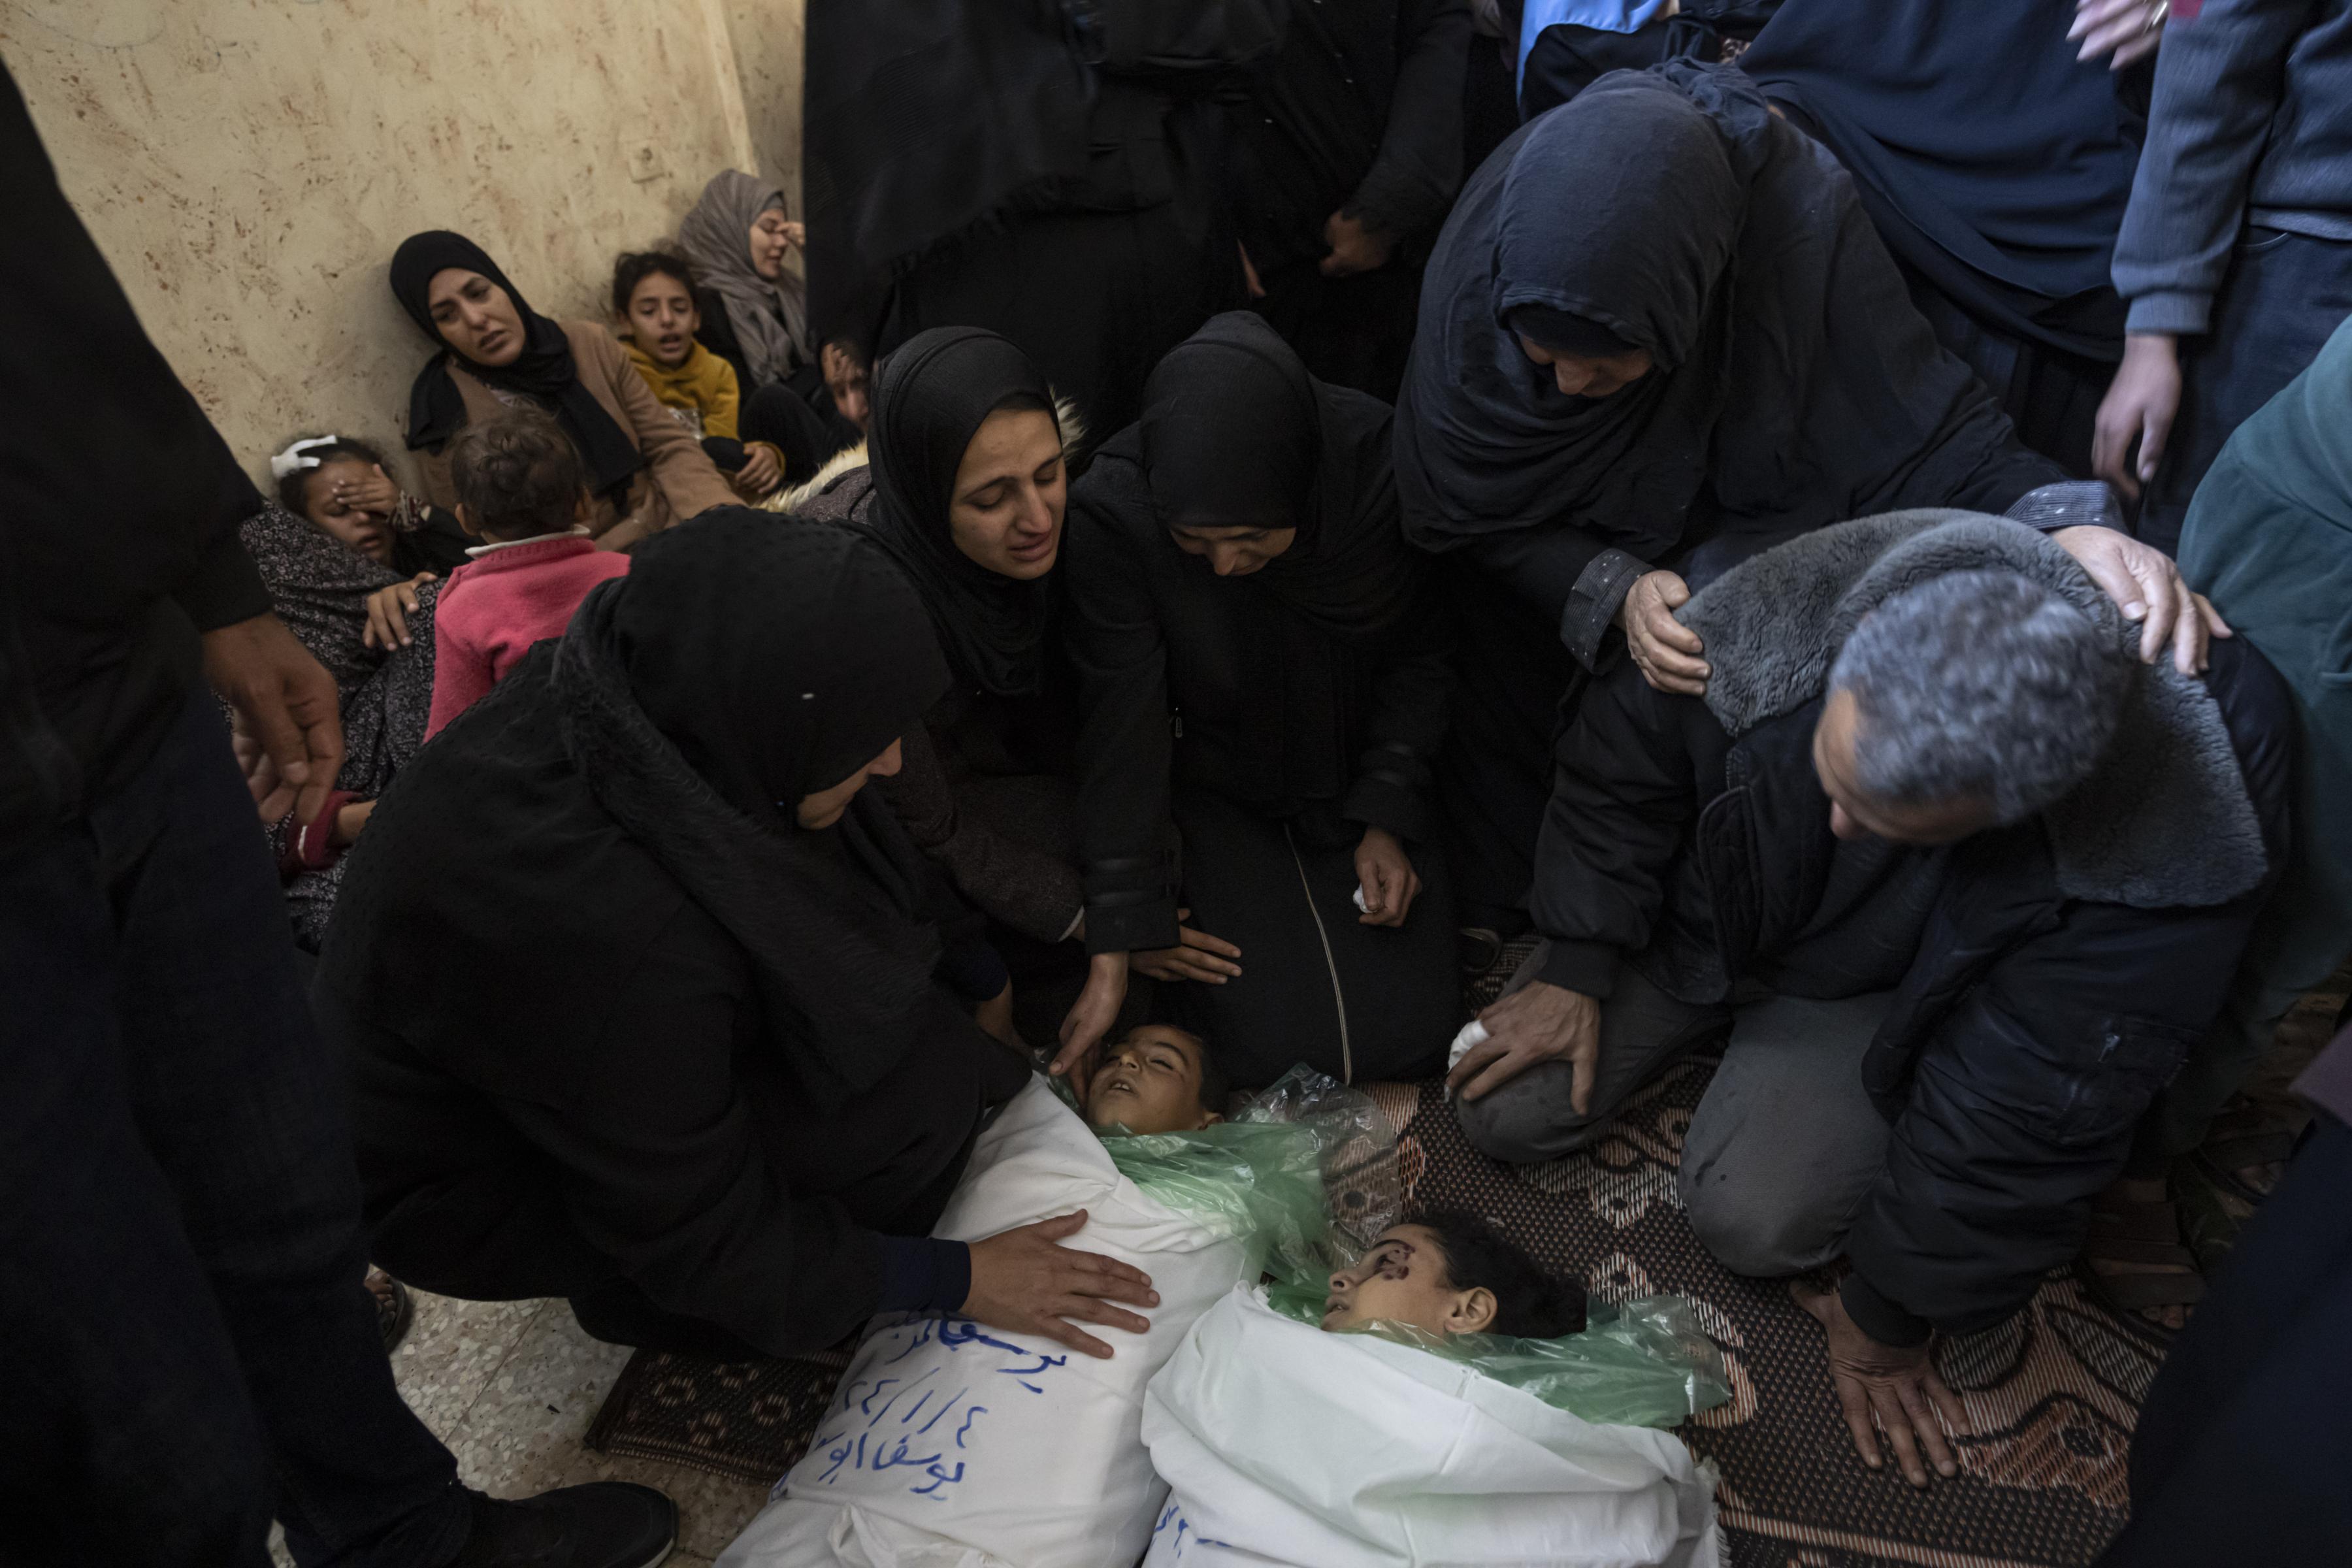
[
  {"x": 1440, "y": 1416},
  {"x": 949, "y": 1444}
]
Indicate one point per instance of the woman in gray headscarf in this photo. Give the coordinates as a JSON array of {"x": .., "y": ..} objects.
[
  {"x": 810, "y": 402},
  {"x": 737, "y": 237}
]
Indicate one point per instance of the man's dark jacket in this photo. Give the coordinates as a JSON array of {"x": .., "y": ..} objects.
[{"x": 2049, "y": 976}]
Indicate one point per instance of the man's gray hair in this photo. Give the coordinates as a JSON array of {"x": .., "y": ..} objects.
[{"x": 1980, "y": 686}]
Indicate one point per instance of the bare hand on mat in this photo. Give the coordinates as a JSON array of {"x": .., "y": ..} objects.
[
  {"x": 1025, "y": 1280},
  {"x": 1541, "y": 1023},
  {"x": 1900, "y": 1387}
]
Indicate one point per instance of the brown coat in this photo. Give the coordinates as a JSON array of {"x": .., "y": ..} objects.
[{"x": 677, "y": 479}]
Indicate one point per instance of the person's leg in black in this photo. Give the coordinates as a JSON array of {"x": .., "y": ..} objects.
[
  {"x": 2239, "y": 1453},
  {"x": 200, "y": 1211},
  {"x": 2284, "y": 296},
  {"x": 2052, "y": 397},
  {"x": 777, "y": 414}
]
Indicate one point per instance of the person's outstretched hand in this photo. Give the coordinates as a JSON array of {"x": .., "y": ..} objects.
[
  {"x": 1664, "y": 650},
  {"x": 288, "y": 731},
  {"x": 1089, "y": 1019},
  {"x": 2146, "y": 585},
  {"x": 1197, "y": 955},
  {"x": 2130, "y": 28},
  {"x": 1900, "y": 1388},
  {"x": 2139, "y": 407},
  {"x": 1025, "y": 1280},
  {"x": 1538, "y": 1023},
  {"x": 760, "y": 473}
]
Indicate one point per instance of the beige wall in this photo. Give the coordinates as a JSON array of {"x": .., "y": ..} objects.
[{"x": 248, "y": 165}]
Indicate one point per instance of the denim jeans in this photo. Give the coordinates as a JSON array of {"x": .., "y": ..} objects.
[
  {"x": 2283, "y": 299},
  {"x": 191, "y": 1348}
]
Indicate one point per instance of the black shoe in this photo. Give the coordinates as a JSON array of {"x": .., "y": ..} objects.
[{"x": 605, "y": 1524}]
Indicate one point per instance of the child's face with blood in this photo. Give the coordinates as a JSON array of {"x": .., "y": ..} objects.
[
  {"x": 1150, "y": 1082},
  {"x": 1403, "y": 1280}
]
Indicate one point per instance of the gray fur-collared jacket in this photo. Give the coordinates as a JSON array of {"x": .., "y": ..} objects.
[{"x": 2050, "y": 976}]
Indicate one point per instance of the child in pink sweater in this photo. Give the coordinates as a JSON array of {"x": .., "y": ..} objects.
[{"x": 521, "y": 490}]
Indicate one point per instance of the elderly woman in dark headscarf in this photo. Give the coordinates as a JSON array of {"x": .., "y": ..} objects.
[
  {"x": 1261, "y": 657},
  {"x": 965, "y": 490},
  {"x": 1657, "y": 317},
  {"x": 684, "y": 1059},
  {"x": 645, "y": 470}
]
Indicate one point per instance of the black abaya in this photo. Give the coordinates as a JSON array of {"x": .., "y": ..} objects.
[
  {"x": 1273, "y": 716},
  {"x": 1055, "y": 178},
  {"x": 675, "y": 1045}
]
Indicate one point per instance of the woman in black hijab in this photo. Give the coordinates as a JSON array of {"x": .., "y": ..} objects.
[
  {"x": 964, "y": 489},
  {"x": 1996, "y": 164},
  {"x": 1261, "y": 657},
  {"x": 683, "y": 1059},
  {"x": 1658, "y": 317},
  {"x": 645, "y": 470}
]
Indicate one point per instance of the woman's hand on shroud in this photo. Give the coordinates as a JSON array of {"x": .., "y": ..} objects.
[
  {"x": 1664, "y": 650},
  {"x": 1354, "y": 248},
  {"x": 1025, "y": 1280},
  {"x": 1197, "y": 955},
  {"x": 1540, "y": 1023},
  {"x": 2148, "y": 587},
  {"x": 1384, "y": 873},
  {"x": 1899, "y": 1385},
  {"x": 388, "y": 610}
]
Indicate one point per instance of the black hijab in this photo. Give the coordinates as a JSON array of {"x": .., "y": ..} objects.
[
  {"x": 929, "y": 398},
  {"x": 1992, "y": 159},
  {"x": 1793, "y": 381},
  {"x": 543, "y": 372},
  {"x": 1234, "y": 432},
  {"x": 741, "y": 665}
]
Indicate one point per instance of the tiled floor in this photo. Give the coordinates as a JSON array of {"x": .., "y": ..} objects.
[{"x": 511, "y": 1387}]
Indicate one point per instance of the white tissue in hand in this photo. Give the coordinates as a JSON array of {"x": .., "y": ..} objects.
[
  {"x": 1361, "y": 908},
  {"x": 1472, "y": 1036}
]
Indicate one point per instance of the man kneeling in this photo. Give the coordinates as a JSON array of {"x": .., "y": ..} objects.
[{"x": 1961, "y": 879}]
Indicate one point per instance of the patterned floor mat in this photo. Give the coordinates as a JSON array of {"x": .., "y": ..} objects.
[{"x": 2053, "y": 1394}]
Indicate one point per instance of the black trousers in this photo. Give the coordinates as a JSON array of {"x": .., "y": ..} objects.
[
  {"x": 191, "y": 1347},
  {"x": 1317, "y": 987},
  {"x": 2283, "y": 299},
  {"x": 2239, "y": 1456}
]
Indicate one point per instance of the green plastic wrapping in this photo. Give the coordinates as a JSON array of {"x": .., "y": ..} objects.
[
  {"x": 1642, "y": 1363},
  {"x": 1306, "y": 1168},
  {"x": 1258, "y": 1180}
]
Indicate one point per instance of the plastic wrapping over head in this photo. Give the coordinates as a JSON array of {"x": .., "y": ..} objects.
[
  {"x": 1307, "y": 1169},
  {"x": 1643, "y": 1362}
]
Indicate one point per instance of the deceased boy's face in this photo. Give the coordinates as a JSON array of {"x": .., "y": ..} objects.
[
  {"x": 1150, "y": 1082},
  {"x": 1403, "y": 1280}
]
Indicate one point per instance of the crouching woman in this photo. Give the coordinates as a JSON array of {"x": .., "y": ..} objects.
[{"x": 684, "y": 1059}]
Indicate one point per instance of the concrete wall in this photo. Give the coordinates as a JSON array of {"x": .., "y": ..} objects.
[{"x": 248, "y": 165}]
